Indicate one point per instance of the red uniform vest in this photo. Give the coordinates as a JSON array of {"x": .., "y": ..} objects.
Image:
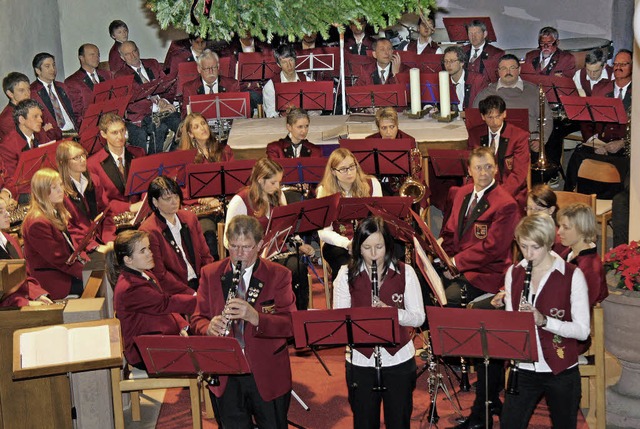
[
  {"x": 554, "y": 301},
  {"x": 244, "y": 194},
  {"x": 392, "y": 287}
]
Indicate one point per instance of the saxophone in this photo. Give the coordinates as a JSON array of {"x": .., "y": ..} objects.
[
  {"x": 412, "y": 186},
  {"x": 235, "y": 282}
]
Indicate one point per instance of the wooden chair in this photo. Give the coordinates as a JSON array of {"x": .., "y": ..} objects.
[
  {"x": 222, "y": 251},
  {"x": 604, "y": 172},
  {"x": 595, "y": 370},
  {"x": 566, "y": 198},
  {"x": 134, "y": 384}
]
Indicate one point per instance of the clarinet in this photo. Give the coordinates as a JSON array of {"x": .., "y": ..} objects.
[
  {"x": 232, "y": 294},
  {"x": 512, "y": 383},
  {"x": 375, "y": 299},
  {"x": 465, "y": 386}
]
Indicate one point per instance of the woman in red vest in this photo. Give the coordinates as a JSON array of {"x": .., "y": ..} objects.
[
  {"x": 375, "y": 278},
  {"x": 556, "y": 292}
]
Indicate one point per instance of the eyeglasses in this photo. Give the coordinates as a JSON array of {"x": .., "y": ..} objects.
[
  {"x": 481, "y": 168},
  {"x": 447, "y": 62},
  {"x": 620, "y": 64},
  {"x": 346, "y": 170},
  {"x": 210, "y": 69},
  {"x": 244, "y": 249},
  {"x": 547, "y": 45},
  {"x": 169, "y": 198},
  {"x": 80, "y": 157},
  {"x": 510, "y": 68}
]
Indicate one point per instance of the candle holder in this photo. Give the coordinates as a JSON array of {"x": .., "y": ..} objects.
[
  {"x": 436, "y": 115},
  {"x": 421, "y": 114}
]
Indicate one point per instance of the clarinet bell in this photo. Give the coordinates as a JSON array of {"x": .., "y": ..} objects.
[{"x": 512, "y": 383}]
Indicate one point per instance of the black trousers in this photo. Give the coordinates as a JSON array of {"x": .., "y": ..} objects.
[
  {"x": 241, "y": 403},
  {"x": 562, "y": 393},
  {"x": 397, "y": 399},
  {"x": 603, "y": 190}
]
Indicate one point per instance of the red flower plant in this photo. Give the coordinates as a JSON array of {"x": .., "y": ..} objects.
[{"x": 625, "y": 261}]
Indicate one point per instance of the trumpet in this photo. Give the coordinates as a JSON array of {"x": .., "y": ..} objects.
[{"x": 232, "y": 294}]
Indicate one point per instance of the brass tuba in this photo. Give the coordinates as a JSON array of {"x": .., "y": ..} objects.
[{"x": 412, "y": 186}]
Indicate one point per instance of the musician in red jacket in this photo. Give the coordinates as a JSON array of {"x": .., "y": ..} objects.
[
  {"x": 295, "y": 144},
  {"x": 510, "y": 145},
  {"x": 16, "y": 87},
  {"x": 482, "y": 56},
  {"x": 29, "y": 291},
  {"x": 109, "y": 168},
  {"x": 177, "y": 242},
  {"x": 260, "y": 318},
  {"x": 388, "y": 64},
  {"x": 140, "y": 304},
  {"x": 424, "y": 44},
  {"x": 549, "y": 59},
  {"x": 285, "y": 56},
  {"x": 80, "y": 84},
  {"x": 479, "y": 232}
]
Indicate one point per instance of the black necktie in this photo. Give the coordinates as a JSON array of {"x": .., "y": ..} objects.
[{"x": 8, "y": 251}]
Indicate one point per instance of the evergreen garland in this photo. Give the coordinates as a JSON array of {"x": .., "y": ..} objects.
[{"x": 290, "y": 18}]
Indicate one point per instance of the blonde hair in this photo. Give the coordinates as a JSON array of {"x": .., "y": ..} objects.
[
  {"x": 63, "y": 156},
  {"x": 582, "y": 218},
  {"x": 261, "y": 202},
  {"x": 539, "y": 228},
  {"x": 41, "y": 205},
  {"x": 213, "y": 146},
  {"x": 330, "y": 184},
  {"x": 386, "y": 114}
]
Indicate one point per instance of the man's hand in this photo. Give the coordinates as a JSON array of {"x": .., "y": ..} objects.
[
  {"x": 307, "y": 249},
  {"x": 165, "y": 106},
  {"x": 47, "y": 126},
  {"x": 534, "y": 145},
  {"x": 135, "y": 207},
  {"x": 614, "y": 146},
  {"x": 498, "y": 299},
  {"x": 395, "y": 63},
  {"x": 217, "y": 326},
  {"x": 240, "y": 309}
]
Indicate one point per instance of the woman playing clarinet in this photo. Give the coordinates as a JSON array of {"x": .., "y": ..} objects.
[
  {"x": 556, "y": 293},
  {"x": 375, "y": 278}
]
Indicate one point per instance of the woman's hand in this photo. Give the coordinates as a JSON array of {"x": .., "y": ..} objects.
[
  {"x": 307, "y": 250},
  {"x": 498, "y": 299}
]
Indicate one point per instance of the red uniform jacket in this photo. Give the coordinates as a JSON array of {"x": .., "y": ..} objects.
[
  {"x": 473, "y": 84},
  {"x": 487, "y": 62},
  {"x": 431, "y": 48},
  {"x": 46, "y": 251},
  {"x": 41, "y": 95},
  {"x": 170, "y": 268},
  {"x": 369, "y": 75},
  {"x": 6, "y": 120},
  {"x": 352, "y": 47},
  {"x": 586, "y": 85},
  {"x": 282, "y": 149},
  {"x": 80, "y": 90},
  {"x": 182, "y": 55},
  {"x": 561, "y": 62},
  {"x": 590, "y": 264},
  {"x": 401, "y": 135},
  {"x": 11, "y": 147},
  {"x": 108, "y": 182},
  {"x": 137, "y": 110},
  {"x": 29, "y": 290},
  {"x": 115, "y": 60},
  {"x": 265, "y": 344},
  {"x": 143, "y": 308},
  {"x": 174, "y": 47},
  {"x": 513, "y": 158},
  {"x": 482, "y": 246}
]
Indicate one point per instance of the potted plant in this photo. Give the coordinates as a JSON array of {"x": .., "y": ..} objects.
[{"x": 622, "y": 337}]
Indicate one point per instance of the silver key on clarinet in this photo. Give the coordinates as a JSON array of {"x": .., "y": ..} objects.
[
  {"x": 235, "y": 282},
  {"x": 524, "y": 296}
]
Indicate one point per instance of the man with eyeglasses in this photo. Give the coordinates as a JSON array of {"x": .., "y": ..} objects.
[
  {"x": 483, "y": 56},
  {"x": 478, "y": 237},
  {"x": 465, "y": 85},
  {"x": 548, "y": 59},
  {"x": 260, "y": 318},
  {"x": 606, "y": 141},
  {"x": 209, "y": 81},
  {"x": 595, "y": 69},
  {"x": 519, "y": 94}
]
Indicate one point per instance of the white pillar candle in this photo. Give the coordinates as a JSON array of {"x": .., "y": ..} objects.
[
  {"x": 445, "y": 100},
  {"x": 414, "y": 84}
]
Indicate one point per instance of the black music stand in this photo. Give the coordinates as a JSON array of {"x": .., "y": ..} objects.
[
  {"x": 96, "y": 110},
  {"x": 553, "y": 86},
  {"x": 382, "y": 157},
  {"x": 158, "y": 87},
  {"x": 114, "y": 88},
  {"x": 305, "y": 95},
  {"x": 483, "y": 334},
  {"x": 449, "y": 162},
  {"x": 359, "y": 208},
  {"x": 171, "y": 164},
  {"x": 430, "y": 242},
  {"x": 457, "y": 28},
  {"x": 400, "y": 230},
  {"x": 352, "y": 327},
  {"x": 307, "y": 170},
  {"x": 594, "y": 109},
  {"x": 372, "y": 96},
  {"x": 32, "y": 160},
  {"x": 203, "y": 356},
  {"x": 297, "y": 218},
  {"x": 218, "y": 179},
  {"x": 256, "y": 67}
]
